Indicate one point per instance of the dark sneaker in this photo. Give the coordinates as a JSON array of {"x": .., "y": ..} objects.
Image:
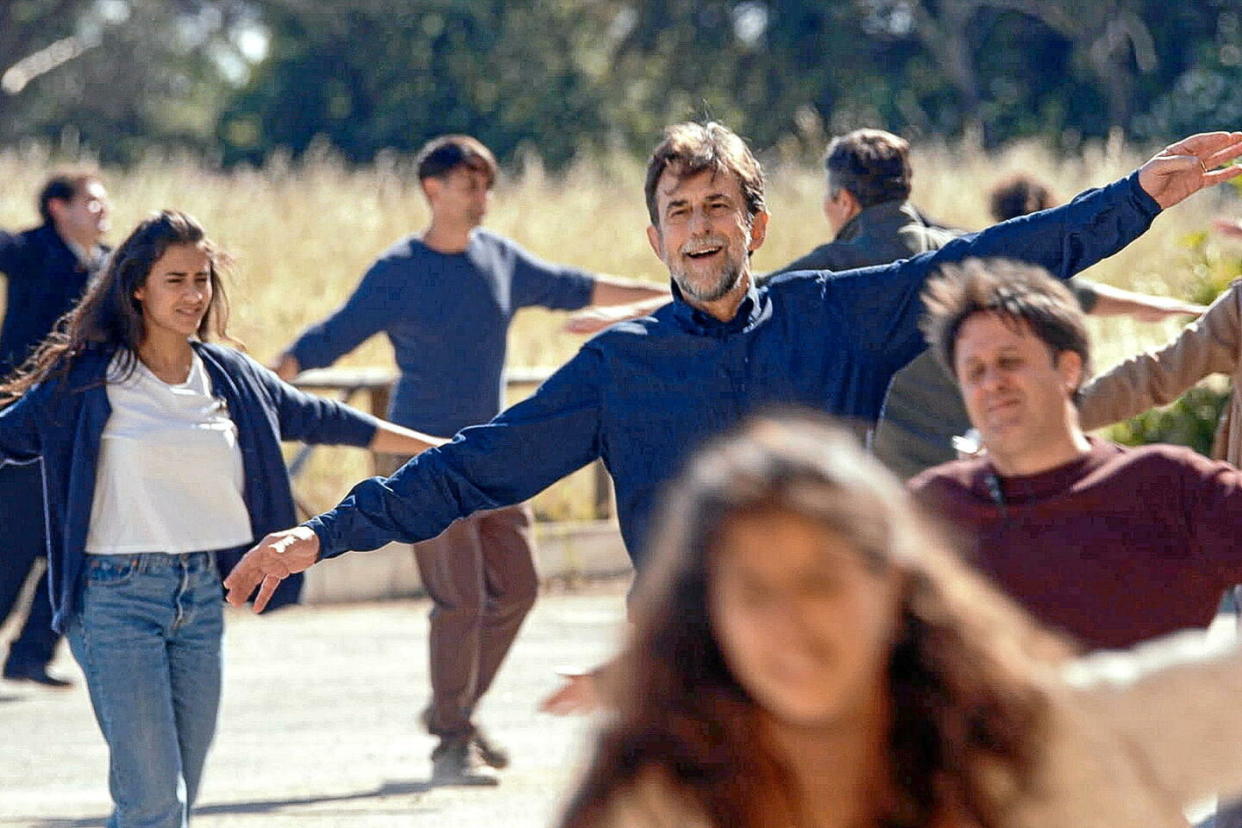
[
  {"x": 36, "y": 673},
  {"x": 457, "y": 761},
  {"x": 490, "y": 752}
]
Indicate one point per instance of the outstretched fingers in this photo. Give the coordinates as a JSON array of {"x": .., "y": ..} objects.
[
  {"x": 266, "y": 590},
  {"x": 242, "y": 581},
  {"x": 1224, "y": 155},
  {"x": 1204, "y": 144},
  {"x": 259, "y": 566}
]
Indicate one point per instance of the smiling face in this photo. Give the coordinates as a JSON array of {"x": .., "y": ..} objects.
[
  {"x": 705, "y": 234},
  {"x": 1018, "y": 395},
  {"x": 177, "y": 292},
  {"x": 804, "y": 623}
]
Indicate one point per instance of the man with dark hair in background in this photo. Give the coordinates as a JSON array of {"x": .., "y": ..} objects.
[
  {"x": 866, "y": 203},
  {"x": 47, "y": 269},
  {"x": 445, "y": 299},
  {"x": 867, "y": 206}
]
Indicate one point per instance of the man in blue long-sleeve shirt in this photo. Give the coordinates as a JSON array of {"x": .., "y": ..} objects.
[
  {"x": 445, "y": 299},
  {"x": 47, "y": 270},
  {"x": 645, "y": 393}
]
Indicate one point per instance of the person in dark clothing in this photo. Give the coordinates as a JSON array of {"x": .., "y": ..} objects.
[
  {"x": 867, "y": 205},
  {"x": 646, "y": 393},
  {"x": 47, "y": 269},
  {"x": 445, "y": 299},
  {"x": 1110, "y": 545}
]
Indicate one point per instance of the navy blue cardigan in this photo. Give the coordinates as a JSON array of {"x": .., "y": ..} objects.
[{"x": 61, "y": 422}]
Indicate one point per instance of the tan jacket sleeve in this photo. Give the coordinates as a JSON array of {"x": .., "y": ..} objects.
[
  {"x": 1175, "y": 707},
  {"x": 1206, "y": 346}
]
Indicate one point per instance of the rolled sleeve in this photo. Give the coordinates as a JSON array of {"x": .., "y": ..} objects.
[{"x": 1085, "y": 294}]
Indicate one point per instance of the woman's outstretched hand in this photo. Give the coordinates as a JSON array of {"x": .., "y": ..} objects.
[{"x": 273, "y": 559}]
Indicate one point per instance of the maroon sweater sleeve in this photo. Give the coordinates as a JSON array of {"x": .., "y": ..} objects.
[{"x": 1212, "y": 502}]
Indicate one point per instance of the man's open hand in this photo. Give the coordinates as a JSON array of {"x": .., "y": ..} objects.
[
  {"x": 273, "y": 559},
  {"x": 1190, "y": 165}
]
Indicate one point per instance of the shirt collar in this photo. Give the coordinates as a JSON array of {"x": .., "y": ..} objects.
[
  {"x": 886, "y": 212},
  {"x": 753, "y": 308}
]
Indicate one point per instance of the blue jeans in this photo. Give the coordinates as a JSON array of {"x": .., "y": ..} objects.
[{"x": 148, "y": 639}]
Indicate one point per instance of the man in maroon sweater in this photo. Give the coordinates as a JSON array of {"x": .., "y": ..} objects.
[{"x": 1110, "y": 545}]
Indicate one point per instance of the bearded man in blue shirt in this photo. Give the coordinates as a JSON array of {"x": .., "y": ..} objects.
[{"x": 645, "y": 393}]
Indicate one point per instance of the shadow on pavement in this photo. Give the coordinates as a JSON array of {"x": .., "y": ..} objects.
[{"x": 387, "y": 789}]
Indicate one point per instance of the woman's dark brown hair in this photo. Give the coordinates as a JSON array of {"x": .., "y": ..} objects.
[
  {"x": 110, "y": 316},
  {"x": 968, "y": 715}
]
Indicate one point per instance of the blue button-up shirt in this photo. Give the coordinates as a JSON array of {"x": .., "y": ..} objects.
[
  {"x": 645, "y": 393},
  {"x": 447, "y": 316}
]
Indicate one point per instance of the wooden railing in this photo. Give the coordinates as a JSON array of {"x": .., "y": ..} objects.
[{"x": 375, "y": 385}]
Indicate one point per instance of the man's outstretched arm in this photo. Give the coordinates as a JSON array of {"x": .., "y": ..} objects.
[
  {"x": 1065, "y": 240},
  {"x": 515, "y": 456}
]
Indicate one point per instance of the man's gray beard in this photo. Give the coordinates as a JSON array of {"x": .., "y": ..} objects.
[{"x": 723, "y": 287}]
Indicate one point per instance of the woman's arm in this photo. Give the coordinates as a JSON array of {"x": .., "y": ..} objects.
[
  {"x": 391, "y": 438},
  {"x": 1210, "y": 344},
  {"x": 1114, "y": 301}
]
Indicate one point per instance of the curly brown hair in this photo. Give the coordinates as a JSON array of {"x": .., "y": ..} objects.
[{"x": 968, "y": 716}]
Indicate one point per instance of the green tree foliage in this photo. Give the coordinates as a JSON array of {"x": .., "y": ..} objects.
[
  {"x": 373, "y": 74},
  {"x": 114, "y": 77},
  {"x": 573, "y": 76}
]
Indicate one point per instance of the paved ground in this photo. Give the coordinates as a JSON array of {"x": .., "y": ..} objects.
[{"x": 319, "y": 725}]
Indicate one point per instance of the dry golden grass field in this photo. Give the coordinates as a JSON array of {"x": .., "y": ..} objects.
[{"x": 304, "y": 232}]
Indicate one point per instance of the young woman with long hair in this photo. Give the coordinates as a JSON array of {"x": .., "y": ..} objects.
[
  {"x": 161, "y": 465},
  {"x": 808, "y": 652}
]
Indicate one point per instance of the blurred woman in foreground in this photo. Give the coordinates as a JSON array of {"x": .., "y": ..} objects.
[{"x": 808, "y": 653}]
